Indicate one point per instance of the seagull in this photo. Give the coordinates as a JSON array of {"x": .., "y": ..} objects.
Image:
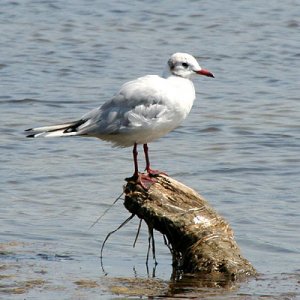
[{"x": 143, "y": 110}]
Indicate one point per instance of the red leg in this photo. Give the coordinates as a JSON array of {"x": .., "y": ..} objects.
[
  {"x": 135, "y": 154},
  {"x": 143, "y": 179},
  {"x": 148, "y": 169},
  {"x": 145, "y": 146}
]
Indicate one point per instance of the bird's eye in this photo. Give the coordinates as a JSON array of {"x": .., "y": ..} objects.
[{"x": 185, "y": 65}]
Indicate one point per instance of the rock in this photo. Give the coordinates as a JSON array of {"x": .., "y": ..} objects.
[{"x": 200, "y": 240}]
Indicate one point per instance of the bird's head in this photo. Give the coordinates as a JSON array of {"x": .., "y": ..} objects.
[{"x": 184, "y": 65}]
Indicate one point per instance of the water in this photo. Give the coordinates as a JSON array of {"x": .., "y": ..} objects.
[{"x": 239, "y": 147}]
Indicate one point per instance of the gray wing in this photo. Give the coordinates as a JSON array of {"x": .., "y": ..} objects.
[{"x": 138, "y": 103}]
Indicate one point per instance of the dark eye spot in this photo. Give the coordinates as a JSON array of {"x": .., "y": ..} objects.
[{"x": 185, "y": 65}]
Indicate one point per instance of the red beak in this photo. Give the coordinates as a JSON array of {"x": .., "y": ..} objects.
[{"x": 205, "y": 73}]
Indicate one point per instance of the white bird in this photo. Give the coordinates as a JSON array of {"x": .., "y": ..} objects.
[{"x": 143, "y": 110}]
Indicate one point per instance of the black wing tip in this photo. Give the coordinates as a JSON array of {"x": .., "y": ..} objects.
[
  {"x": 29, "y": 135},
  {"x": 74, "y": 127}
]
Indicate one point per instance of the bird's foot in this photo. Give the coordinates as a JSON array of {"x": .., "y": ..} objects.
[
  {"x": 144, "y": 180},
  {"x": 154, "y": 173}
]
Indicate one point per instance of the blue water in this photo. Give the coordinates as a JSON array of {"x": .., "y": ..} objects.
[{"x": 239, "y": 147}]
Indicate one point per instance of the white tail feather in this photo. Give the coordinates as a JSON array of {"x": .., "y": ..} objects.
[
  {"x": 52, "y": 131},
  {"x": 51, "y": 128},
  {"x": 56, "y": 133}
]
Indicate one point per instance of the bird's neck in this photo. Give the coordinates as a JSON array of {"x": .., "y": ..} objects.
[{"x": 184, "y": 93}]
